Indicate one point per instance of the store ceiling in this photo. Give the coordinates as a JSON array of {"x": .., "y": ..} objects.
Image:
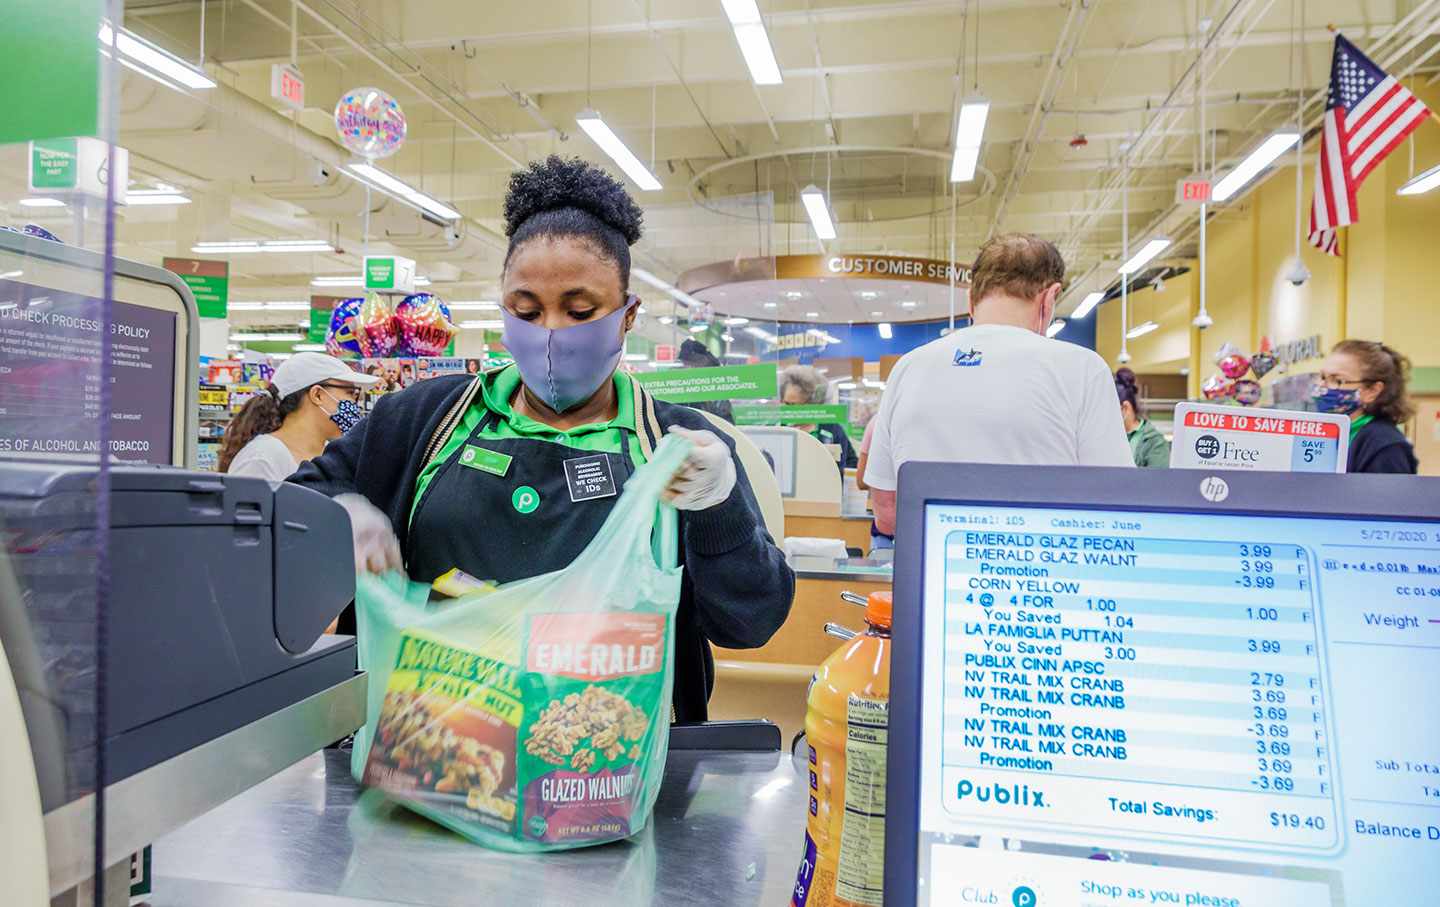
[{"x": 866, "y": 109}]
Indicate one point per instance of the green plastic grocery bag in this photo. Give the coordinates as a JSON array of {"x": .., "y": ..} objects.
[{"x": 534, "y": 717}]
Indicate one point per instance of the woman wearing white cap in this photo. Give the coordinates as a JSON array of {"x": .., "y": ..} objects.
[{"x": 313, "y": 399}]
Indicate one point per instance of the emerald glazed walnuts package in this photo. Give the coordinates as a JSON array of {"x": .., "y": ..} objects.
[{"x": 534, "y": 717}]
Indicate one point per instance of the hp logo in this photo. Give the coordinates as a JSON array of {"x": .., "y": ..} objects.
[{"x": 1214, "y": 488}]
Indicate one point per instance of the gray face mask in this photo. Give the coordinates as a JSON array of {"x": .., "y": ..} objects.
[{"x": 565, "y": 366}]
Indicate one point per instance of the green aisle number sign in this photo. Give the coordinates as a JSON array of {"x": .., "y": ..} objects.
[
  {"x": 209, "y": 281},
  {"x": 727, "y": 382}
]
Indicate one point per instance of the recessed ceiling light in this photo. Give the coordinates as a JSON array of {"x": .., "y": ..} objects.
[
  {"x": 794, "y": 294},
  {"x": 771, "y": 305},
  {"x": 909, "y": 304},
  {"x": 664, "y": 319},
  {"x": 812, "y": 314},
  {"x": 876, "y": 314},
  {"x": 869, "y": 294}
]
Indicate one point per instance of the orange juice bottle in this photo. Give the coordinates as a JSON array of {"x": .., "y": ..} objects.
[{"x": 846, "y": 725}]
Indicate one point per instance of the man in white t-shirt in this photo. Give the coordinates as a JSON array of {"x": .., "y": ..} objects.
[{"x": 999, "y": 391}]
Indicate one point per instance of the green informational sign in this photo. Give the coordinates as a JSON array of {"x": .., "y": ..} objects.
[
  {"x": 209, "y": 281},
  {"x": 54, "y": 164},
  {"x": 319, "y": 326},
  {"x": 50, "y": 62},
  {"x": 790, "y": 415},
  {"x": 727, "y": 382},
  {"x": 379, "y": 273}
]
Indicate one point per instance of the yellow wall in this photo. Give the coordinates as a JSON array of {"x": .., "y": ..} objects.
[{"x": 1387, "y": 287}]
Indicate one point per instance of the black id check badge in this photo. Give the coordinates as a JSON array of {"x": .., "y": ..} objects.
[{"x": 589, "y": 478}]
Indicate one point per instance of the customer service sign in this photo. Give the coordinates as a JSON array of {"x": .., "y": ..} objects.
[{"x": 1266, "y": 440}]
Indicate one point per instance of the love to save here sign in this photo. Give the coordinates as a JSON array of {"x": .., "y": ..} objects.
[{"x": 1266, "y": 440}]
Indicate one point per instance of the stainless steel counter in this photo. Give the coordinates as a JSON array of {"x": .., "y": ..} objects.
[{"x": 728, "y": 829}]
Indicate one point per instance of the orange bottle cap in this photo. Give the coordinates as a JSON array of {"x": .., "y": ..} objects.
[{"x": 878, "y": 607}]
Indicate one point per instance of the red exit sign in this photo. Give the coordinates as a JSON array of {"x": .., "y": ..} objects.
[
  {"x": 287, "y": 86},
  {"x": 1192, "y": 190}
]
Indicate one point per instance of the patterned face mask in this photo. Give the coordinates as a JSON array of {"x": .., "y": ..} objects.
[
  {"x": 1334, "y": 399},
  {"x": 347, "y": 412}
]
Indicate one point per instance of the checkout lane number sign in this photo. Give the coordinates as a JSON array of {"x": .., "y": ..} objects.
[{"x": 1265, "y": 440}]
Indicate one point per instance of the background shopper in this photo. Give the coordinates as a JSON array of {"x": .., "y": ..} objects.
[
  {"x": 694, "y": 354},
  {"x": 311, "y": 400},
  {"x": 802, "y": 385},
  {"x": 1366, "y": 380},
  {"x": 998, "y": 391},
  {"x": 1147, "y": 445}
]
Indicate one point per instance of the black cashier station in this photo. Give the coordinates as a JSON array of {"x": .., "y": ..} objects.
[{"x": 194, "y": 627}]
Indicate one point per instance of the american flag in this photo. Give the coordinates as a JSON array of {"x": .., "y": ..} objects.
[{"x": 1367, "y": 114}]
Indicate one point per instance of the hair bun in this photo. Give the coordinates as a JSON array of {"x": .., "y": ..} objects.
[
  {"x": 1125, "y": 377},
  {"x": 558, "y": 182}
]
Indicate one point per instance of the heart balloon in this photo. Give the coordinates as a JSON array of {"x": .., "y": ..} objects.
[
  {"x": 1262, "y": 362},
  {"x": 424, "y": 324},
  {"x": 375, "y": 331},
  {"x": 1217, "y": 386},
  {"x": 1247, "y": 392},
  {"x": 340, "y": 340},
  {"x": 1235, "y": 365},
  {"x": 370, "y": 122}
]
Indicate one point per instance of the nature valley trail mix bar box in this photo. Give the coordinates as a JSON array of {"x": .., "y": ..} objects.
[{"x": 465, "y": 735}]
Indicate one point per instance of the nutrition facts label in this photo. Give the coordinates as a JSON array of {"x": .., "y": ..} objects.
[{"x": 1163, "y": 686}]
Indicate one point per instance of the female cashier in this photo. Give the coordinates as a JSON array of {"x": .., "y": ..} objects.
[{"x": 474, "y": 471}]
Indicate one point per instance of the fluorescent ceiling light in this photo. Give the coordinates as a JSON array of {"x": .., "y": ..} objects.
[
  {"x": 794, "y": 294},
  {"x": 309, "y": 347},
  {"x": 876, "y": 314},
  {"x": 728, "y": 337},
  {"x": 737, "y": 319},
  {"x": 754, "y": 43},
  {"x": 636, "y": 357},
  {"x": 1090, "y": 301},
  {"x": 697, "y": 328},
  {"x": 238, "y": 247},
  {"x": 760, "y": 333},
  {"x": 871, "y": 382},
  {"x": 287, "y": 306},
  {"x": 823, "y": 335},
  {"x": 338, "y": 280},
  {"x": 601, "y": 134},
  {"x": 814, "y": 201},
  {"x": 487, "y": 325},
  {"x": 737, "y": 356},
  {"x": 1258, "y": 160},
  {"x": 399, "y": 189},
  {"x": 847, "y": 385},
  {"x": 480, "y": 305},
  {"x": 674, "y": 291},
  {"x": 1140, "y": 330},
  {"x": 886, "y": 331},
  {"x": 155, "y": 197},
  {"x": 9, "y": 274},
  {"x": 284, "y": 335},
  {"x": 1055, "y": 327},
  {"x": 154, "y": 58},
  {"x": 42, "y": 203},
  {"x": 244, "y": 306},
  {"x": 421, "y": 281},
  {"x": 1422, "y": 183},
  {"x": 243, "y": 337},
  {"x": 1148, "y": 251},
  {"x": 969, "y": 133},
  {"x": 665, "y": 319},
  {"x": 279, "y": 355}
]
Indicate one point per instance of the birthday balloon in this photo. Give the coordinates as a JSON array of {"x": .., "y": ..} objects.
[
  {"x": 1217, "y": 386},
  {"x": 374, "y": 326},
  {"x": 370, "y": 122},
  {"x": 1247, "y": 392},
  {"x": 1262, "y": 362},
  {"x": 1235, "y": 365},
  {"x": 424, "y": 324},
  {"x": 340, "y": 340}
]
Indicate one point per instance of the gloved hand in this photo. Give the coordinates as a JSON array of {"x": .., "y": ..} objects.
[
  {"x": 376, "y": 548},
  {"x": 707, "y": 476}
]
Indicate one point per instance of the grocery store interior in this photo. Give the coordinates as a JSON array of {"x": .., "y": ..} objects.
[{"x": 245, "y": 241}]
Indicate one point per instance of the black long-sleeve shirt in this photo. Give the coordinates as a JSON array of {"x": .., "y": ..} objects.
[
  {"x": 736, "y": 589},
  {"x": 1381, "y": 447}
]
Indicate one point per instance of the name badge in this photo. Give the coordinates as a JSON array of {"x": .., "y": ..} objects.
[
  {"x": 491, "y": 461},
  {"x": 589, "y": 478}
]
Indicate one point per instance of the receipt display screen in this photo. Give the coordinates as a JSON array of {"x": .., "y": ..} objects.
[{"x": 1124, "y": 708}]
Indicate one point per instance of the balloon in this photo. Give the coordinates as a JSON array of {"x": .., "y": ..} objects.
[
  {"x": 424, "y": 324},
  {"x": 1226, "y": 349},
  {"x": 340, "y": 340},
  {"x": 1217, "y": 386},
  {"x": 375, "y": 330},
  {"x": 1235, "y": 365},
  {"x": 37, "y": 230},
  {"x": 1247, "y": 392},
  {"x": 1262, "y": 362},
  {"x": 369, "y": 122}
]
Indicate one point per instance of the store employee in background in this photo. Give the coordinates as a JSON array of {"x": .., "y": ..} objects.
[
  {"x": 1366, "y": 381},
  {"x": 801, "y": 385},
  {"x": 1147, "y": 445},
  {"x": 311, "y": 400},
  {"x": 471, "y": 472},
  {"x": 998, "y": 391}
]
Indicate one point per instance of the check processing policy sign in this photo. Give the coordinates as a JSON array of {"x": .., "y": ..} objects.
[{"x": 1228, "y": 437}]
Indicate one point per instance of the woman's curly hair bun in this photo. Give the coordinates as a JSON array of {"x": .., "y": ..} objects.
[{"x": 557, "y": 183}]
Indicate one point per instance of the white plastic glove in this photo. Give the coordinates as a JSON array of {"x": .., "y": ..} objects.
[
  {"x": 707, "y": 476},
  {"x": 376, "y": 548}
]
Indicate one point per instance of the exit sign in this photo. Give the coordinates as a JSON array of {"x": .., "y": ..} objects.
[
  {"x": 1192, "y": 190},
  {"x": 287, "y": 86}
]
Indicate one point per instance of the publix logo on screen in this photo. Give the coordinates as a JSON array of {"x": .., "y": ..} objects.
[
  {"x": 1015, "y": 794},
  {"x": 1211, "y": 448}
]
